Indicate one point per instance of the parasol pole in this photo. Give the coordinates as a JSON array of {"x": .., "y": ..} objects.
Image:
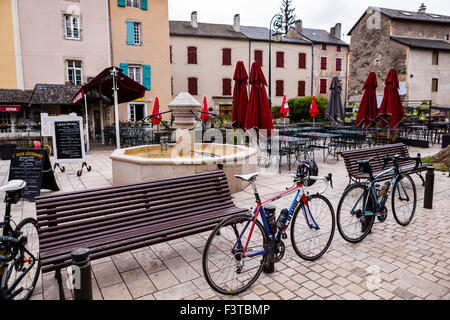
[
  {"x": 116, "y": 107},
  {"x": 87, "y": 121}
]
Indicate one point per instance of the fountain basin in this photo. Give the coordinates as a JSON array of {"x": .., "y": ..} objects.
[{"x": 157, "y": 162}]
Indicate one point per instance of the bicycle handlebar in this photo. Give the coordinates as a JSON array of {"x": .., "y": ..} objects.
[
  {"x": 395, "y": 159},
  {"x": 327, "y": 179}
]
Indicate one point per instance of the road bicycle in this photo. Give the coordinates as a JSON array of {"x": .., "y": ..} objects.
[
  {"x": 240, "y": 247},
  {"x": 362, "y": 202},
  {"x": 19, "y": 249}
]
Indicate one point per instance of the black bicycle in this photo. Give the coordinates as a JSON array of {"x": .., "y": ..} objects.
[{"x": 19, "y": 249}]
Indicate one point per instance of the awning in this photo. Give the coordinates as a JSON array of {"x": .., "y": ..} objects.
[{"x": 10, "y": 108}]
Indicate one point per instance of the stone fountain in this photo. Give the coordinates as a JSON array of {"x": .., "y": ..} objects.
[{"x": 185, "y": 157}]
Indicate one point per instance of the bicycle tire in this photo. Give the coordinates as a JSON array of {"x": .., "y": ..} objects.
[
  {"x": 311, "y": 233},
  {"x": 355, "y": 220},
  {"x": 32, "y": 278},
  {"x": 217, "y": 240},
  {"x": 398, "y": 188}
]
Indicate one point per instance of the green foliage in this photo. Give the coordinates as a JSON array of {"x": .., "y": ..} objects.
[
  {"x": 299, "y": 109},
  {"x": 276, "y": 112}
]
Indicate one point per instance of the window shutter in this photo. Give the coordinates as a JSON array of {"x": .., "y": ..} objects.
[
  {"x": 171, "y": 61},
  {"x": 324, "y": 46},
  {"x": 302, "y": 60},
  {"x": 144, "y": 4},
  {"x": 147, "y": 76},
  {"x": 323, "y": 86},
  {"x": 280, "y": 59},
  {"x": 130, "y": 32},
  {"x": 226, "y": 87},
  {"x": 192, "y": 55},
  {"x": 259, "y": 57},
  {"x": 301, "y": 89},
  {"x": 121, "y": 3},
  {"x": 323, "y": 63},
  {"x": 192, "y": 86},
  {"x": 279, "y": 88},
  {"x": 339, "y": 49},
  {"x": 338, "y": 64},
  {"x": 124, "y": 67},
  {"x": 226, "y": 57}
]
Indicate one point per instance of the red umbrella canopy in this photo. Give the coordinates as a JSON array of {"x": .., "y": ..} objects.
[
  {"x": 157, "y": 118},
  {"x": 205, "y": 112},
  {"x": 240, "y": 95},
  {"x": 391, "y": 109},
  {"x": 313, "y": 111},
  {"x": 367, "y": 112},
  {"x": 259, "y": 114}
]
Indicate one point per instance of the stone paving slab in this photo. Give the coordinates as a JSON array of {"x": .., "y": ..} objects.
[{"x": 392, "y": 263}]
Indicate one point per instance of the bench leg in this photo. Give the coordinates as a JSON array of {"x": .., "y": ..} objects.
[{"x": 58, "y": 278}]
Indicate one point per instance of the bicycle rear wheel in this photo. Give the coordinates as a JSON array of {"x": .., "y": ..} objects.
[
  {"x": 353, "y": 224},
  {"x": 228, "y": 271},
  {"x": 404, "y": 199},
  {"x": 313, "y": 228},
  {"x": 30, "y": 261}
]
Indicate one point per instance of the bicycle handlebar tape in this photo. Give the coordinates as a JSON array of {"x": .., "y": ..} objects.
[
  {"x": 81, "y": 271},
  {"x": 429, "y": 188}
]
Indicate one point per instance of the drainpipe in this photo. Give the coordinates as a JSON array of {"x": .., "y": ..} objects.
[
  {"x": 312, "y": 69},
  {"x": 110, "y": 34}
]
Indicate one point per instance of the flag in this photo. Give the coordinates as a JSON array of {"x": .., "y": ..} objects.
[
  {"x": 157, "y": 118},
  {"x": 284, "y": 107},
  {"x": 205, "y": 112}
]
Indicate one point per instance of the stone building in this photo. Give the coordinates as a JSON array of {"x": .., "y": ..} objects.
[{"x": 415, "y": 43}]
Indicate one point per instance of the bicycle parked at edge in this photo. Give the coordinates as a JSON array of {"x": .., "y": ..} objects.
[
  {"x": 19, "y": 249},
  {"x": 362, "y": 202},
  {"x": 240, "y": 247}
]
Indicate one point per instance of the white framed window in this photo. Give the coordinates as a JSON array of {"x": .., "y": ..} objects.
[
  {"x": 137, "y": 33},
  {"x": 137, "y": 111},
  {"x": 72, "y": 27},
  {"x": 135, "y": 73},
  {"x": 74, "y": 72},
  {"x": 133, "y": 3}
]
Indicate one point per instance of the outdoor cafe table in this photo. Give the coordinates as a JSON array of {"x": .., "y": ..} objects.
[
  {"x": 290, "y": 147},
  {"x": 417, "y": 130},
  {"x": 324, "y": 137}
]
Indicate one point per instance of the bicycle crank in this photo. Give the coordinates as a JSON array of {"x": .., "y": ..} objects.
[
  {"x": 279, "y": 252},
  {"x": 382, "y": 214}
]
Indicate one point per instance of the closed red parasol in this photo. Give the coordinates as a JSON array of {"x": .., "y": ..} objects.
[
  {"x": 156, "y": 114},
  {"x": 313, "y": 111},
  {"x": 284, "y": 107},
  {"x": 259, "y": 114},
  {"x": 240, "y": 96},
  {"x": 205, "y": 112},
  {"x": 367, "y": 112},
  {"x": 391, "y": 109}
]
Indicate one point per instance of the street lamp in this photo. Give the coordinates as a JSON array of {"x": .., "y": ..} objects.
[{"x": 276, "y": 24}]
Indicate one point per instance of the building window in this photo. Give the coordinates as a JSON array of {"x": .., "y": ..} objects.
[
  {"x": 447, "y": 37},
  {"x": 74, "y": 72},
  {"x": 302, "y": 60},
  {"x": 136, "y": 112},
  {"x": 338, "y": 64},
  {"x": 226, "y": 57},
  {"x": 72, "y": 27},
  {"x": 192, "y": 86},
  {"x": 434, "y": 85},
  {"x": 323, "y": 86},
  {"x": 280, "y": 59},
  {"x": 133, "y": 3},
  {"x": 324, "y": 47},
  {"x": 301, "y": 89},
  {"x": 226, "y": 87},
  {"x": 135, "y": 73},
  {"x": 339, "y": 49},
  {"x": 259, "y": 56},
  {"x": 192, "y": 55},
  {"x": 323, "y": 63},
  {"x": 435, "y": 58},
  {"x": 279, "y": 85},
  {"x": 133, "y": 33}
]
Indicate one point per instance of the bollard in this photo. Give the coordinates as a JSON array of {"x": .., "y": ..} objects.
[
  {"x": 429, "y": 188},
  {"x": 82, "y": 289}
]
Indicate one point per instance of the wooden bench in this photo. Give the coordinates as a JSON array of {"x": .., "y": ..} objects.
[
  {"x": 113, "y": 220},
  {"x": 351, "y": 158}
]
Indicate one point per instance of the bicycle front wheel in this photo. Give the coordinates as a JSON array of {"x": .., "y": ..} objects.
[
  {"x": 404, "y": 199},
  {"x": 313, "y": 228},
  {"x": 226, "y": 268},
  {"x": 28, "y": 265}
]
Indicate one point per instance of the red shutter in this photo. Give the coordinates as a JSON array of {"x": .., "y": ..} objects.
[
  {"x": 323, "y": 86},
  {"x": 324, "y": 46},
  {"x": 259, "y": 57},
  {"x": 170, "y": 54},
  {"x": 226, "y": 87},
  {"x": 338, "y": 64},
  {"x": 280, "y": 59},
  {"x": 323, "y": 63},
  {"x": 279, "y": 88},
  {"x": 192, "y": 86},
  {"x": 301, "y": 89},
  {"x": 226, "y": 57},
  {"x": 302, "y": 60},
  {"x": 339, "y": 49},
  {"x": 192, "y": 55}
]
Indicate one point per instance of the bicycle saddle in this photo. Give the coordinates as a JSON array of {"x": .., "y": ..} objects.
[
  {"x": 248, "y": 177},
  {"x": 13, "y": 185},
  {"x": 368, "y": 161}
]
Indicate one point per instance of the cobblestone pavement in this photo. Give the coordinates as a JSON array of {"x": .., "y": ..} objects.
[{"x": 393, "y": 262}]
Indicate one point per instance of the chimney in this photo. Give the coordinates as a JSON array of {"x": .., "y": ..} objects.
[
  {"x": 299, "y": 26},
  {"x": 194, "y": 22},
  {"x": 422, "y": 8},
  {"x": 336, "y": 31},
  {"x": 237, "y": 23}
]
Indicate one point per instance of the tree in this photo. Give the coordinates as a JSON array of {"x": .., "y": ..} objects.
[{"x": 288, "y": 12}]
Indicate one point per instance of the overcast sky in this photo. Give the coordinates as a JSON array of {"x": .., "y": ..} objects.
[{"x": 319, "y": 14}]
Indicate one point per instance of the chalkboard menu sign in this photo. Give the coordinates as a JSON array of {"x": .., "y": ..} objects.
[
  {"x": 68, "y": 143},
  {"x": 32, "y": 165}
]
